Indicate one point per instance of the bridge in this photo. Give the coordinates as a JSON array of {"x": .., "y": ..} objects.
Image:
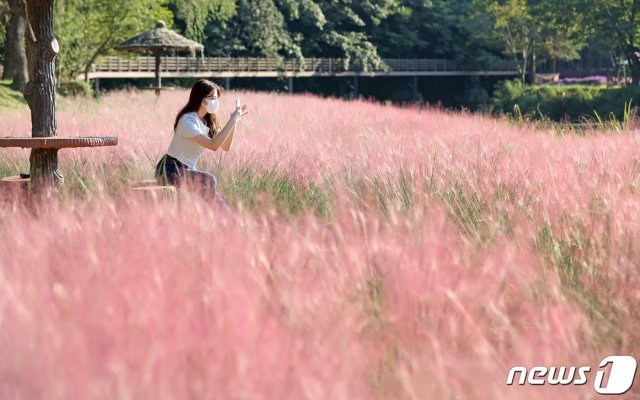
[
  {"x": 255, "y": 67},
  {"x": 248, "y": 67}
]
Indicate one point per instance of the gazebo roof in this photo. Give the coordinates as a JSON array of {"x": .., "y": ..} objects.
[{"x": 159, "y": 39}]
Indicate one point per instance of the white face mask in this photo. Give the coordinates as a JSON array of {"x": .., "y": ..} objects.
[{"x": 213, "y": 106}]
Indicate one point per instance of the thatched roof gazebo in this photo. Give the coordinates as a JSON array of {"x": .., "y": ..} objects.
[{"x": 158, "y": 40}]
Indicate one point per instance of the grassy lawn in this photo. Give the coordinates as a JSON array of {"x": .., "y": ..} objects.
[{"x": 10, "y": 99}]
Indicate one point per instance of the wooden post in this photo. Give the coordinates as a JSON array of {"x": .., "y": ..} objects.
[
  {"x": 356, "y": 89},
  {"x": 227, "y": 83},
  {"x": 96, "y": 88},
  {"x": 290, "y": 85},
  {"x": 158, "y": 81},
  {"x": 40, "y": 93}
]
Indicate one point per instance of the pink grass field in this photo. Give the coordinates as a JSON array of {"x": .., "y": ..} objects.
[{"x": 456, "y": 246}]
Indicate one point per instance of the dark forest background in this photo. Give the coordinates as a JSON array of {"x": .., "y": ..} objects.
[{"x": 573, "y": 37}]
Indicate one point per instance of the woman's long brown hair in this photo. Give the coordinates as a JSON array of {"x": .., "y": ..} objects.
[{"x": 199, "y": 91}]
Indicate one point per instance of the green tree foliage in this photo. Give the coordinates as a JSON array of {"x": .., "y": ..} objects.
[
  {"x": 562, "y": 28},
  {"x": 258, "y": 28},
  {"x": 195, "y": 14},
  {"x": 474, "y": 32},
  {"x": 432, "y": 28},
  {"x": 616, "y": 24},
  {"x": 88, "y": 29},
  {"x": 348, "y": 30},
  {"x": 532, "y": 31},
  {"x": 510, "y": 27},
  {"x": 297, "y": 28}
]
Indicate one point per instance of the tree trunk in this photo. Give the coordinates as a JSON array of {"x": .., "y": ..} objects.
[
  {"x": 635, "y": 74},
  {"x": 634, "y": 67},
  {"x": 40, "y": 94},
  {"x": 15, "y": 61},
  {"x": 532, "y": 76}
]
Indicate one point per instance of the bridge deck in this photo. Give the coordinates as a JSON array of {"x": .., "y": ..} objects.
[{"x": 224, "y": 67}]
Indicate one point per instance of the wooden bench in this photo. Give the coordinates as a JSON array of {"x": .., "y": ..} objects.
[
  {"x": 149, "y": 189},
  {"x": 13, "y": 188}
]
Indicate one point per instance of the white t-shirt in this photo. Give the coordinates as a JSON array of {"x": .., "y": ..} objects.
[{"x": 182, "y": 147}]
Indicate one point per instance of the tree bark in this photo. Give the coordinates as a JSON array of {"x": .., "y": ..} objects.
[
  {"x": 15, "y": 62},
  {"x": 634, "y": 66},
  {"x": 532, "y": 76},
  {"x": 40, "y": 93}
]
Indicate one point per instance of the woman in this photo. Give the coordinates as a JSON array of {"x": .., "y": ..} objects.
[{"x": 197, "y": 128}]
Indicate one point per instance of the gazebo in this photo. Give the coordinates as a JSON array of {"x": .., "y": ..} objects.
[{"x": 157, "y": 41}]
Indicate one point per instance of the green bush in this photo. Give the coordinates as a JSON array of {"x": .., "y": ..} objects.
[
  {"x": 477, "y": 98},
  {"x": 74, "y": 88},
  {"x": 562, "y": 102}
]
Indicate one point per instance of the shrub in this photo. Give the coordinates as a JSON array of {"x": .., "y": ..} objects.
[
  {"x": 477, "y": 98},
  {"x": 74, "y": 88},
  {"x": 562, "y": 102}
]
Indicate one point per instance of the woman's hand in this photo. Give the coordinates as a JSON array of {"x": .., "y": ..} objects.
[{"x": 237, "y": 115}]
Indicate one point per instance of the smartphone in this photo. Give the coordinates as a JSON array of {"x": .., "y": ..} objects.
[{"x": 237, "y": 104}]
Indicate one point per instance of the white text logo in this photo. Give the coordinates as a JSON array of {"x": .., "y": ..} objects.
[{"x": 619, "y": 380}]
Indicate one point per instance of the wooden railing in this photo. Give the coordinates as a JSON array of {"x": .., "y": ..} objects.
[{"x": 321, "y": 66}]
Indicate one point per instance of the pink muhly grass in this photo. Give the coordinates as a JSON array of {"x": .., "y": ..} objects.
[
  {"x": 182, "y": 301},
  {"x": 456, "y": 247}
]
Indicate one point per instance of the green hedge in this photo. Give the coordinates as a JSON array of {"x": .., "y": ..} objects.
[{"x": 561, "y": 102}]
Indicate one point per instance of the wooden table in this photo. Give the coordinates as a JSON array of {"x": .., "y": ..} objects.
[{"x": 54, "y": 143}]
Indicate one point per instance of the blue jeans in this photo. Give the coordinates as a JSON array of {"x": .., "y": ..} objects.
[{"x": 170, "y": 171}]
